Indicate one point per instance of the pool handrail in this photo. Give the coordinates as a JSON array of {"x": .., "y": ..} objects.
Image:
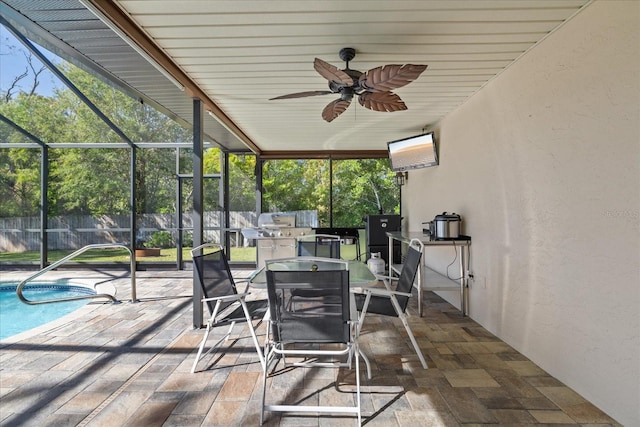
[{"x": 82, "y": 250}]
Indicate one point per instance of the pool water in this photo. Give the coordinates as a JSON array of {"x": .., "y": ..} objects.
[{"x": 16, "y": 316}]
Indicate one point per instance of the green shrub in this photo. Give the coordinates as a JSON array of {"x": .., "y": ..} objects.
[{"x": 160, "y": 239}]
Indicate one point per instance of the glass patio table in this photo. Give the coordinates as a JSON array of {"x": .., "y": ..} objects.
[{"x": 359, "y": 274}]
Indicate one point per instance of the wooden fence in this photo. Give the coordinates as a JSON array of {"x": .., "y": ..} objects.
[{"x": 22, "y": 234}]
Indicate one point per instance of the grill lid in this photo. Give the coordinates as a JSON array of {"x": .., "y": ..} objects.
[{"x": 276, "y": 219}]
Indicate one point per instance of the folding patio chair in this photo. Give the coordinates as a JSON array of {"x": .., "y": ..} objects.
[
  {"x": 320, "y": 245},
  {"x": 351, "y": 236},
  {"x": 316, "y": 245},
  {"x": 388, "y": 302},
  {"x": 225, "y": 304},
  {"x": 316, "y": 330}
]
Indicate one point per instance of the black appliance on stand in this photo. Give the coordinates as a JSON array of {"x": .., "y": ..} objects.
[{"x": 377, "y": 239}]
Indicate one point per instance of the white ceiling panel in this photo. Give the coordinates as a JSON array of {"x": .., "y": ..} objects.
[{"x": 241, "y": 53}]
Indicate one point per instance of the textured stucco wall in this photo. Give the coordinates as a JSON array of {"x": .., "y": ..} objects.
[{"x": 544, "y": 166}]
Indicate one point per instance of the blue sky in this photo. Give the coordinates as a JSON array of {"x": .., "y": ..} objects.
[{"x": 13, "y": 63}]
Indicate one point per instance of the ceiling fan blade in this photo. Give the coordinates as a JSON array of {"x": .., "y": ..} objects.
[
  {"x": 389, "y": 77},
  {"x": 334, "y": 109},
  {"x": 332, "y": 73},
  {"x": 382, "y": 101},
  {"x": 303, "y": 94}
]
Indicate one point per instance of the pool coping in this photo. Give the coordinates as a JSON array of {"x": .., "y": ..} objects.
[{"x": 53, "y": 277}]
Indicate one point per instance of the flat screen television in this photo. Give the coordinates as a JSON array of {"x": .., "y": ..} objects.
[{"x": 415, "y": 152}]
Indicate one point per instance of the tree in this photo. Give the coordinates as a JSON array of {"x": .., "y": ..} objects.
[
  {"x": 96, "y": 181},
  {"x": 21, "y": 167},
  {"x": 360, "y": 188},
  {"x": 89, "y": 181},
  {"x": 155, "y": 167},
  {"x": 290, "y": 185},
  {"x": 32, "y": 69},
  {"x": 242, "y": 182}
]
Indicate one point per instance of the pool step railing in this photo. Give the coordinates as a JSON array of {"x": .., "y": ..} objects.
[{"x": 70, "y": 257}]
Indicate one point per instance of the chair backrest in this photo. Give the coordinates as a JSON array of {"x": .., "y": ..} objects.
[
  {"x": 306, "y": 263},
  {"x": 319, "y": 245},
  {"x": 342, "y": 232},
  {"x": 212, "y": 270},
  {"x": 351, "y": 236},
  {"x": 408, "y": 275},
  {"x": 316, "y": 320}
]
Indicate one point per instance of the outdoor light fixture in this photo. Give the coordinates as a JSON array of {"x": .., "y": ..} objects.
[
  {"x": 401, "y": 178},
  {"x": 131, "y": 43}
]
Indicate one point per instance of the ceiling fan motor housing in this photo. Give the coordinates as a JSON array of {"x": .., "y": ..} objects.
[
  {"x": 355, "y": 75},
  {"x": 346, "y": 93},
  {"x": 347, "y": 54}
]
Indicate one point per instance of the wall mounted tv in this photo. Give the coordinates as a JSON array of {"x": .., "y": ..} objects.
[{"x": 415, "y": 152}]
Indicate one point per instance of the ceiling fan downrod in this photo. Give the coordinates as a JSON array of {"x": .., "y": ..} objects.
[{"x": 347, "y": 54}]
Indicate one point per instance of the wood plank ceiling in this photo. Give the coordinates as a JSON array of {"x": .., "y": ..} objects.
[{"x": 242, "y": 53}]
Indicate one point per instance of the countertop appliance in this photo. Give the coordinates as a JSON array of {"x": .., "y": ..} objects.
[{"x": 444, "y": 226}]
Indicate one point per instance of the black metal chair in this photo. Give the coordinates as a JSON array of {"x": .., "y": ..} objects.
[
  {"x": 316, "y": 245},
  {"x": 319, "y": 245},
  {"x": 314, "y": 331},
  {"x": 351, "y": 236},
  {"x": 226, "y": 306},
  {"x": 389, "y": 302}
]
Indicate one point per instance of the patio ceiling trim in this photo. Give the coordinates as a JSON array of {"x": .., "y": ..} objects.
[
  {"x": 111, "y": 14},
  {"x": 325, "y": 154}
]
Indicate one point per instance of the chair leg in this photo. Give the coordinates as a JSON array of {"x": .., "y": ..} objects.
[
  {"x": 226, "y": 337},
  {"x": 403, "y": 318},
  {"x": 357, "y": 350},
  {"x": 253, "y": 332},
  {"x": 264, "y": 390},
  {"x": 269, "y": 356},
  {"x": 366, "y": 361},
  {"x": 413, "y": 341},
  {"x": 202, "y": 343},
  {"x": 363, "y": 313},
  {"x": 351, "y": 409}
]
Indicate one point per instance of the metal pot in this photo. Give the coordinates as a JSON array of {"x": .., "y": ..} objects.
[{"x": 446, "y": 226}]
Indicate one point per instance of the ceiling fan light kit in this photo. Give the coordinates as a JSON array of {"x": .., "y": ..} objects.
[{"x": 372, "y": 87}]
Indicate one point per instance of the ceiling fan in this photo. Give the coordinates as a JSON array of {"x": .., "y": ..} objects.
[{"x": 372, "y": 87}]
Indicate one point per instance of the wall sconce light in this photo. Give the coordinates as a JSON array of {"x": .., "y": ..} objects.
[{"x": 401, "y": 178}]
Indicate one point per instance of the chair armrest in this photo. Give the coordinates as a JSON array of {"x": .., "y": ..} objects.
[
  {"x": 384, "y": 292},
  {"x": 236, "y": 297},
  {"x": 247, "y": 280},
  {"x": 387, "y": 280}
]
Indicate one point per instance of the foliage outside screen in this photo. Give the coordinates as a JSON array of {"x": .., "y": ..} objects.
[{"x": 96, "y": 182}]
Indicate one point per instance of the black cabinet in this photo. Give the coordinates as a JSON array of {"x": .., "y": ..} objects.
[{"x": 377, "y": 227}]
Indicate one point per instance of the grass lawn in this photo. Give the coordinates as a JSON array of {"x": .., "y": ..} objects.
[
  {"x": 118, "y": 255},
  {"x": 121, "y": 255}
]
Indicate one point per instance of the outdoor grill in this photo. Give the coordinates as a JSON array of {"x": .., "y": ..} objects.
[{"x": 275, "y": 236}]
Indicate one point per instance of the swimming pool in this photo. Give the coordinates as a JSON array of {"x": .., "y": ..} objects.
[{"x": 16, "y": 317}]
